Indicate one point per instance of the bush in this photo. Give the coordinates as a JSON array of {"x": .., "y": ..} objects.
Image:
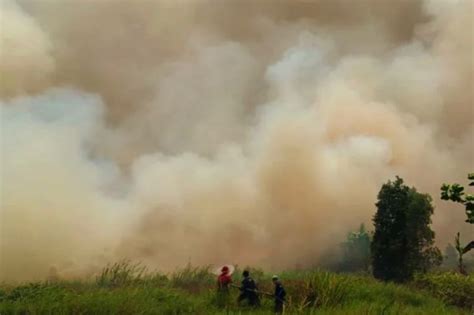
[{"x": 452, "y": 288}]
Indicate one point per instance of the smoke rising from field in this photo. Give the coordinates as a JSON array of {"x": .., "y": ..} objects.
[{"x": 222, "y": 131}]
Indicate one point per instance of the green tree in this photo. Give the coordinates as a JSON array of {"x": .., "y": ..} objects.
[
  {"x": 403, "y": 240},
  {"x": 455, "y": 192},
  {"x": 356, "y": 251}
]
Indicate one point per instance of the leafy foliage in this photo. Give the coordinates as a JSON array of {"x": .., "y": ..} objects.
[
  {"x": 455, "y": 192},
  {"x": 403, "y": 240}
]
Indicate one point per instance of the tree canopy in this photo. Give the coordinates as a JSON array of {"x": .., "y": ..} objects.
[{"x": 403, "y": 240}]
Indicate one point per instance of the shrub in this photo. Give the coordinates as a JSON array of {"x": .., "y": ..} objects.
[{"x": 452, "y": 288}]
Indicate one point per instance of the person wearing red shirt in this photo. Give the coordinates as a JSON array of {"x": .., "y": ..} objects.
[
  {"x": 224, "y": 279},
  {"x": 223, "y": 283}
]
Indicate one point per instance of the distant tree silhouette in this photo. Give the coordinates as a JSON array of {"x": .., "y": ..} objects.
[
  {"x": 356, "y": 251},
  {"x": 403, "y": 240}
]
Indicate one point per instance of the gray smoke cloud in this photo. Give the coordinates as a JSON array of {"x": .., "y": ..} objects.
[{"x": 215, "y": 131}]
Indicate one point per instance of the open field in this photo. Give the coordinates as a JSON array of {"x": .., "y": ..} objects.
[{"x": 129, "y": 289}]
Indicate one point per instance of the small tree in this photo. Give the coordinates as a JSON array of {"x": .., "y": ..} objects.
[
  {"x": 460, "y": 252},
  {"x": 356, "y": 251},
  {"x": 403, "y": 240},
  {"x": 455, "y": 192}
]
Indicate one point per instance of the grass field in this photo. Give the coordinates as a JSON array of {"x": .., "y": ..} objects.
[{"x": 124, "y": 288}]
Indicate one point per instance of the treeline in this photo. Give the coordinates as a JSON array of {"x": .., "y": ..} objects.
[{"x": 402, "y": 241}]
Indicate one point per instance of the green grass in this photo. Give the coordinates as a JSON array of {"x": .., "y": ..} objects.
[
  {"x": 125, "y": 288},
  {"x": 452, "y": 288}
]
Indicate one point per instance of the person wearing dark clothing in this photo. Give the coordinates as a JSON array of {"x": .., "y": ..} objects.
[
  {"x": 248, "y": 290},
  {"x": 279, "y": 295}
]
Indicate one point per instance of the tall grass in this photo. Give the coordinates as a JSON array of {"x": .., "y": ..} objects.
[
  {"x": 324, "y": 289},
  {"x": 451, "y": 287},
  {"x": 126, "y": 288},
  {"x": 120, "y": 274},
  {"x": 193, "y": 279}
]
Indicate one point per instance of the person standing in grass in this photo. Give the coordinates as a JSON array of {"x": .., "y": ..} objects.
[
  {"x": 224, "y": 279},
  {"x": 223, "y": 282},
  {"x": 279, "y": 295},
  {"x": 248, "y": 290}
]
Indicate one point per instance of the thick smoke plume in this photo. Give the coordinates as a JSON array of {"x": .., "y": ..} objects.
[{"x": 253, "y": 132}]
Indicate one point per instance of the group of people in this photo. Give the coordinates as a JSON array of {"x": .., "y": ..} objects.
[{"x": 249, "y": 291}]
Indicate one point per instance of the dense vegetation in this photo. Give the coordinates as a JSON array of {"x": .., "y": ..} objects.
[{"x": 128, "y": 289}]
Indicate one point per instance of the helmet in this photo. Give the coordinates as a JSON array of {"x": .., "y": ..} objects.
[{"x": 225, "y": 269}]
